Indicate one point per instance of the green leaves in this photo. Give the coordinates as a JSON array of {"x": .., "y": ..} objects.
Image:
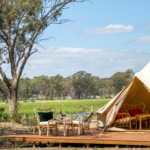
[{"x": 120, "y": 79}]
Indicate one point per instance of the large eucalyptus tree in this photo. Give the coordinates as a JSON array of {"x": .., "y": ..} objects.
[{"x": 22, "y": 23}]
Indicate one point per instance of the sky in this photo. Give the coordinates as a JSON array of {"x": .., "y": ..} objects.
[{"x": 102, "y": 38}]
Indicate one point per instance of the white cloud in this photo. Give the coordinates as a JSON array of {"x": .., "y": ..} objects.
[
  {"x": 76, "y": 50},
  {"x": 67, "y": 61},
  {"x": 141, "y": 40},
  {"x": 147, "y": 23},
  {"x": 118, "y": 28},
  {"x": 75, "y": 23}
]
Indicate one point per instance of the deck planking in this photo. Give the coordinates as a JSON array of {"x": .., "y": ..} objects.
[{"x": 117, "y": 138}]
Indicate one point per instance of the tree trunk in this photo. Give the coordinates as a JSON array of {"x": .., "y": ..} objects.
[
  {"x": 13, "y": 100},
  {"x": 12, "y": 105},
  {"x": 78, "y": 96}
]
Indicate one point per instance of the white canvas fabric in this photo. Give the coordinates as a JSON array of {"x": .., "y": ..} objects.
[
  {"x": 144, "y": 75},
  {"x": 137, "y": 91}
]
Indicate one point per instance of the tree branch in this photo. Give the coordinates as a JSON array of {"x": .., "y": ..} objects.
[
  {"x": 28, "y": 54},
  {"x": 5, "y": 79},
  {"x": 16, "y": 35},
  {"x": 4, "y": 93},
  {"x": 4, "y": 39}
]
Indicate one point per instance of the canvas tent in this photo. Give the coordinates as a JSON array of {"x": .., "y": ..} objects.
[{"x": 137, "y": 91}]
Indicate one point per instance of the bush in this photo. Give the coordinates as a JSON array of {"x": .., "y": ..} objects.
[{"x": 1, "y": 112}]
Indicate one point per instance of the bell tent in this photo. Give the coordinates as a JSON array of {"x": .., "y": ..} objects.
[{"x": 137, "y": 91}]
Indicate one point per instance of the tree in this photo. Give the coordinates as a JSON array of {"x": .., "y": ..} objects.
[
  {"x": 22, "y": 23},
  {"x": 49, "y": 94},
  {"x": 82, "y": 82},
  {"x": 24, "y": 88},
  {"x": 68, "y": 88},
  {"x": 95, "y": 86},
  {"x": 57, "y": 82},
  {"x": 129, "y": 74},
  {"x": 119, "y": 81},
  {"x": 41, "y": 83}
]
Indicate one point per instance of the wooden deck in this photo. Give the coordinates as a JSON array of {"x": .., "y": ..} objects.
[{"x": 117, "y": 138}]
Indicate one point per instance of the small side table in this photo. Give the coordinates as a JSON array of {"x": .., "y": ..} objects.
[
  {"x": 63, "y": 122},
  {"x": 140, "y": 117}
]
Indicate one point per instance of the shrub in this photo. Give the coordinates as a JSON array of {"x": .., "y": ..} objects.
[{"x": 1, "y": 112}]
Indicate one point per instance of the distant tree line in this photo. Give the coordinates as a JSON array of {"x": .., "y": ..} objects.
[{"x": 81, "y": 85}]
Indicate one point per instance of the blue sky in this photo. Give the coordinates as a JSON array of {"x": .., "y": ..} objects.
[{"x": 104, "y": 37}]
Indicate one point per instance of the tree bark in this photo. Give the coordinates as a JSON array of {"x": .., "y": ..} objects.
[{"x": 13, "y": 104}]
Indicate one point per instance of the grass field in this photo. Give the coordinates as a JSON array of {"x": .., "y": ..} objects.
[{"x": 66, "y": 106}]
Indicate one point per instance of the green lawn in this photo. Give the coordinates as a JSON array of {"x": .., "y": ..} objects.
[{"x": 67, "y": 106}]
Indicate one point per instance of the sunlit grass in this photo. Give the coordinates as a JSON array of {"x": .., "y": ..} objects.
[{"x": 69, "y": 106}]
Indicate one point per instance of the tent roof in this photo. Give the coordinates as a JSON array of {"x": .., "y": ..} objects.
[
  {"x": 144, "y": 75},
  {"x": 137, "y": 91}
]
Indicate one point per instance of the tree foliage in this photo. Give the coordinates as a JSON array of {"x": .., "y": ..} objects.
[{"x": 22, "y": 23}]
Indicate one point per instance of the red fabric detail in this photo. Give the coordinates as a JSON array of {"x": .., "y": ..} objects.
[
  {"x": 134, "y": 112},
  {"x": 121, "y": 116}
]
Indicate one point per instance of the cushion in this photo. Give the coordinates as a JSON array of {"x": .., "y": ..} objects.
[
  {"x": 46, "y": 122},
  {"x": 134, "y": 112},
  {"x": 120, "y": 116},
  {"x": 125, "y": 120},
  {"x": 77, "y": 122},
  {"x": 45, "y": 116},
  {"x": 84, "y": 119}
]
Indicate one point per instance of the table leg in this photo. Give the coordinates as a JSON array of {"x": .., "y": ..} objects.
[
  {"x": 56, "y": 132},
  {"x": 72, "y": 129},
  {"x": 47, "y": 129},
  {"x": 140, "y": 123},
  {"x": 64, "y": 128}
]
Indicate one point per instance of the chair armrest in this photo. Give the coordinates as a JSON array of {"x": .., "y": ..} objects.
[
  {"x": 82, "y": 117},
  {"x": 122, "y": 115},
  {"x": 52, "y": 120},
  {"x": 74, "y": 116},
  {"x": 145, "y": 112}
]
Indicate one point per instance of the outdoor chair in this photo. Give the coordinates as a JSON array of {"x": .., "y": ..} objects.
[
  {"x": 123, "y": 120},
  {"x": 46, "y": 117},
  {"x": 80, "y": 109},
  {"x": 82, "y": 121},
  {"x": 141, "y": 107}
]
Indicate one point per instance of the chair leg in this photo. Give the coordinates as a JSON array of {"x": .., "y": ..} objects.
[
  {"x": 67, "y": 130},
  {"x": 130, "y": 125},
  {"x": 56, "y": 130},
  {"x": 82, "y": 130},
  {"x": 47, "y": 131},
  {"x": 91, "y": 131},
  {"x": 51, "y": 130},
  {"x": 39, "y": 131},
  {"x": 78, "y": 130},
  {"x": 73, "y": 129}
]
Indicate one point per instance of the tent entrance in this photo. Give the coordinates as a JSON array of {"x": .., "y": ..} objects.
[{"x": 138, "y": 97}]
